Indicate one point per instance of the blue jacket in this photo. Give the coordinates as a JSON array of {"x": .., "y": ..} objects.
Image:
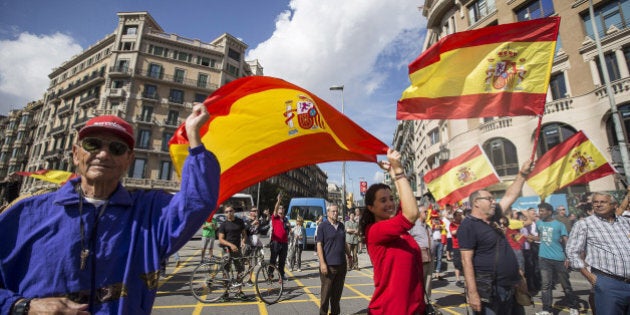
[{"x": 41, "y": 241}]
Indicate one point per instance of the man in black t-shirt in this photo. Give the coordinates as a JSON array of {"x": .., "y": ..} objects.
[
  {"x": 232, "y": 235},
  {"x": 485, "y": 250}
]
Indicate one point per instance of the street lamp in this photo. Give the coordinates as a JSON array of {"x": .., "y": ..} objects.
[{"x": 343, "y": 163}]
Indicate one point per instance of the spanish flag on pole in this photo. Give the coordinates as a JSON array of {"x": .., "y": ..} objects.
[
  {"x": 262, "y": 126},
  {"x": 498, "y": 70},
  {"x": 458, "y": 178},
  {"x": 574, "y": 161}
]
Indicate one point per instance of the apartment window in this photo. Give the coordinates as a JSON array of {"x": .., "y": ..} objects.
[
  {"x": 202, "y": 80},
  {"x": 535, "y": 9},
  {"x": 98, "y": 57},
  {"x": 615, "y": 12},
  {"x": 181, "y": 56},
  {"x": 176, "y": 96},
  {"x": 155, "y": 71},
  {"x": 89, "y": 61},
  {"x": 137, "y": 170},
  {"x": 166, "y": 137},
  {"x": 611, "y": 65},
  {"x": 232, "y": 69},
  {"x": 557, "y": 86},
  {"x": 74, "y": 70},
  {"x": 179, "y": 75},
  {"x": 234, "y": 54},
  {"x": 171, "y": 119},
  {"x": 552, "y": 135},
  {"x": 118, "y": 84},
  {"x": 122, "y": 66},
  {"x": 114, "y": 106},
  {"x": 144, "y": 139},
  {"x": 624, "y": 112},
  {"x": 147, "y": 113},
  {"x": 502, "y": 155},
  {"x": 205, "y": 61},
  {"x": 126, "y": 46},
  {"x": 130, "y": 30},
  {"x": 150, "y": 91},
  {"x": 479, "y": 9},
  {"x": 199, "y": 98},
  {"x": 158, "y": 51},
  {"x": 166, "y": 170},
  {"x": 434, "y": 136}
]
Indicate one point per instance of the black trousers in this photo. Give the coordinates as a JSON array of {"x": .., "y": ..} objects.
[
  {"x": 279, "y": 252},
  {"x": 332, "y": 287}
]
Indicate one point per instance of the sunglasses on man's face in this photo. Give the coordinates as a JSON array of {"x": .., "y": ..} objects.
[{"x": 94, "y": 145}]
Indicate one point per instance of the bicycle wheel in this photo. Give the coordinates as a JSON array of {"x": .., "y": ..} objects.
[
  {"x": 209, "y": 282},
  {"x": 269, "y": 284}
]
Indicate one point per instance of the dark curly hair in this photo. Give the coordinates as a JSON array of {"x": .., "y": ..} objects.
[{"x": 368, "y": 217}]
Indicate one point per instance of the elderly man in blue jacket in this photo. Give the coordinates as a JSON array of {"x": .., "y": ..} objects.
[{"x": 92, "y": 246}]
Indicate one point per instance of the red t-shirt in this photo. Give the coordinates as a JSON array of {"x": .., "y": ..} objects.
[
  {"x": 453, "y": 227},
  {"x": 397, "y": 264},
  {"x": 278, "y": 233}
]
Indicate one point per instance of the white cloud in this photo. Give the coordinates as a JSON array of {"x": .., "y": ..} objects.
[
  {"x": 364, "y": 45},
  {"x": 25, "y": 63}
]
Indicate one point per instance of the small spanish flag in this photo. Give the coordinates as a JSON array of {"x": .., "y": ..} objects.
[
  {"x": 53, "y": 176},
  {"x": 458, "y": 178},
  {"x": 262, "y": 126},
  {"x": 500, "y": 70},
  {"x": 575, "y": 161}
]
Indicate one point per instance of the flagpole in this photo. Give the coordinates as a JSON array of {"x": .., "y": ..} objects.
[
  {"x": 531, "y": 158},
  {"x": 343, "y": 163},
  {"x": 623, "y": 147}
]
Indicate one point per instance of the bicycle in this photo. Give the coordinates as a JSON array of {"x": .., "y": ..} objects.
[{"x": 211, "y": 280}]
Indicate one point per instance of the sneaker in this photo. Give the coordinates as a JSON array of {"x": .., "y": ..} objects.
[
  {"x": 574, "y": 311},
  {"x": 299, "y": 270},
  {"x": 460, "y": 283},
  {"x": 250, "y": 283},
  {"x": 543, "y": 313}
]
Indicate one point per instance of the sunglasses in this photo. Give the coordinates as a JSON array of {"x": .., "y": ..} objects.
[
  {"x": 94, "y": 145},
  {"x": 485, "y": 198}
]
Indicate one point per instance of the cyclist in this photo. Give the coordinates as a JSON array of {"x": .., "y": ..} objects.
[{"x": 232, "y": 236}]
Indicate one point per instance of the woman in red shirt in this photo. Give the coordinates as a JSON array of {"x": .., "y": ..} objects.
[{"x": 395, "y": 255}]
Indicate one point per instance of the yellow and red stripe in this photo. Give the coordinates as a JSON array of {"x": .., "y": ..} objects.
[
  {"x": 575, "y": 161},
  {"x": 53, "y": 176},
  {"x": 498, "y": 70},
  {"x": 262, "y": 126},
  {"x": 458, "y": 178}
]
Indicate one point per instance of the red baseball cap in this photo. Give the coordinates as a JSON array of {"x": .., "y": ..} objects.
[{"x": 111, "y": 124}]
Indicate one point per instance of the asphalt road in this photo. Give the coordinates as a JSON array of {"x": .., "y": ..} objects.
[{"x": 301, "y": 291}]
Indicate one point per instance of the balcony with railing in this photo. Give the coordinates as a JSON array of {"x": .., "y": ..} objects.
[
  {"x": 56, "y": 130},
  {"x": 176, "y": 79},
  {"x": 86, "y": 81},
  {"x": 80, "y": 122},
  {"x": 120, "y": 71},
  {"x": 620, "y": 86},
  {"x": 54, "y": 154},
  {"x": 173, "y": 123},
  {"x": 145, "y": 183},
  {"x": 66, "y": 109},
  {"x": 116, "y": 93},
  {"x": 88, "y": 101},
  {"x": 495, "y": 124},
  {"x": 558, "y": 105},
  {"x": 153, "y": 96},
  {"x": 144, "y": 119}
]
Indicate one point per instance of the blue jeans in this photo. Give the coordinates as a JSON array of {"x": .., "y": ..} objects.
[
  {"x": 548, "y": 268},
  {"x": 502, "y": 304},
  {"x": 437, "y": 251},
  {"x": 611, "y": 296}
]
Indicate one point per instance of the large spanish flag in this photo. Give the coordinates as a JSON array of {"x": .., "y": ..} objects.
[
  {"x": 458, "y": 178},
  {"x": 262, "y": 126},
  {"x": 498, "y": 70},
  {"x": 53, "y": 176},
  {"x": 575, "y": 161}
]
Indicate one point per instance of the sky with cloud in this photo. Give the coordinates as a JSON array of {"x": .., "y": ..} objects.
[{"x": 363, "y": 45}]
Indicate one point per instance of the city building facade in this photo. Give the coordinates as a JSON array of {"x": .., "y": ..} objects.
[
  {"x": 576, "y": 99},
  {"x": 149, "y": 78}
]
